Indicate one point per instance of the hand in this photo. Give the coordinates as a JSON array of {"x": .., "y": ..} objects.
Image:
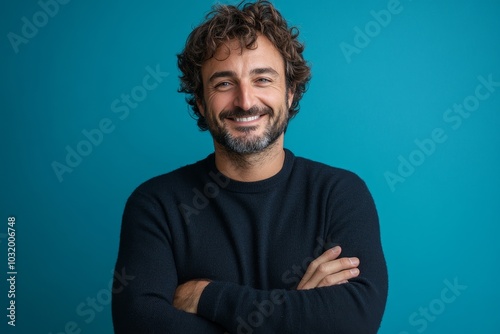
[
  {"x": 328, "y": 270},
  {"x": 188, "y": 295}
]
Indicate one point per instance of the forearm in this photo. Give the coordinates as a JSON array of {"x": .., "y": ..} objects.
[
  {"x": 154, "y": 315},
  {"x": 354, "y": 307}
]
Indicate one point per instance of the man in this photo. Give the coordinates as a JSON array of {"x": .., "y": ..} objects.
[{"x": 249, "y": 239}]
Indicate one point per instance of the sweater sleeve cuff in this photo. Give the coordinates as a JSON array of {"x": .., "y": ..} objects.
[{"x": 210, "y": 300}]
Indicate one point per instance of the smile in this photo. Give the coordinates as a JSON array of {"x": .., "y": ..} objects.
[{"x": 246, "y": 119}]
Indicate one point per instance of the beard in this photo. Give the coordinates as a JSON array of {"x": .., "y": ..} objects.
[{"x": 247, "y": 142}]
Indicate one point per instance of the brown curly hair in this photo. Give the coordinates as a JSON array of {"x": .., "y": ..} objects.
[{"x": 243, "y": 22}]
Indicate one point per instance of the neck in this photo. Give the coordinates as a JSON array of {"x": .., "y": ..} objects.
[{"x": 251, "y": 167}]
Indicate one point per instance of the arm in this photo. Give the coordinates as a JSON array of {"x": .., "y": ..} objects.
[
  {"x": 325, "y": 307},
  {"x": 324, "y": 271},
  {"x": 144, "y": 305}
]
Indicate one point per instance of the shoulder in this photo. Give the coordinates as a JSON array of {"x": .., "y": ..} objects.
[
  {"x": 324, "y": 173},
  {"x": 341, "y": 190},
  {"x": 337, "y": 185},
  {"x": 185, "y": 177}
]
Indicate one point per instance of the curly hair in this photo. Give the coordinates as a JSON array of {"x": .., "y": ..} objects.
[{"x": 245, "y": 23}]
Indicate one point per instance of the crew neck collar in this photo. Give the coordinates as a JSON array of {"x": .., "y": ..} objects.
[{"x": 256, "y": 186}]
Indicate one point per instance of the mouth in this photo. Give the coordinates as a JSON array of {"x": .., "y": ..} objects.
[{"x": 245, "y": 120}]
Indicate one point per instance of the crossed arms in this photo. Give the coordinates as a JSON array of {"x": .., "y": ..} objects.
[
  {"x": 324, "y": 271},
  {"x": 335, "y": 294}
]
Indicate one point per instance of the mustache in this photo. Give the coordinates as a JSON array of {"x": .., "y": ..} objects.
[{"x": 238, "y": 112}]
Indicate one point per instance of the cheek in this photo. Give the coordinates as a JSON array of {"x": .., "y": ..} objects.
[
  {"x": 276, "y": 102},
  {"x": 218, "y": 102},
  {"x": 275, "y": 96}
]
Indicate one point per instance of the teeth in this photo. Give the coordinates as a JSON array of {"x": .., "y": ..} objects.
[{"x": 246, "y": 119}]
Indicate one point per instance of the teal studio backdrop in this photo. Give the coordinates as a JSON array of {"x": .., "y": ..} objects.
[{"x": 406, "y": 94}]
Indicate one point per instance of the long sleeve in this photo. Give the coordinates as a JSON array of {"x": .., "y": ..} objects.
[
  {"x": 144, "y": 303},
  {"x": 354, "y": 307}
]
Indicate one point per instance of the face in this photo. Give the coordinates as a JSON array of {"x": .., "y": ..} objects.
[{"x": 245, "y": 98}]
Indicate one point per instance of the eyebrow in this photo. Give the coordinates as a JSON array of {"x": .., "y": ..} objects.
[
  {"x": 221, "y": 74},
  {"x": 265, "y": 70},
  {"x": 260, "y": 70}
]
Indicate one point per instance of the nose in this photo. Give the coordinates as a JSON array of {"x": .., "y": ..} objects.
[{"x": 244, "y": 98}]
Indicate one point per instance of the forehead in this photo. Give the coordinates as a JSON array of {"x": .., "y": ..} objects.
[{"x": 230, "y": 56}]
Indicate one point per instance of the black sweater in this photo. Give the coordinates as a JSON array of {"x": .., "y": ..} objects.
[{"x": 253, "y": 240}]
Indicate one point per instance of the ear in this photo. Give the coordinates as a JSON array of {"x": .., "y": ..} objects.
[
  {"x": 200, "y": 105},
  {"x": 291, "y": 94}
]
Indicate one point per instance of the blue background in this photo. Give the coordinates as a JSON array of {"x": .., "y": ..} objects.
[{"x": 361, "y": 113}]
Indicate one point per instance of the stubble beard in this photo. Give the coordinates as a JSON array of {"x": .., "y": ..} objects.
[{"x": 248, "y": 143}]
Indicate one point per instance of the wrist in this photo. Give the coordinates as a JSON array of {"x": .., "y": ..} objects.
[{"x": 199, "y": 288}]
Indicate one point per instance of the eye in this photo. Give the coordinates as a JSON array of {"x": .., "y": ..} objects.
[
  {"x": 223, "y": 85},
  {"x": 263, "y": 80}
]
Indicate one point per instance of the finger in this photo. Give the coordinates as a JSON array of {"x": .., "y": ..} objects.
[
  {"x": 328, "y": 255},
  {"x": 329, "y": 268},
  {"x": 339, "y": 278}
]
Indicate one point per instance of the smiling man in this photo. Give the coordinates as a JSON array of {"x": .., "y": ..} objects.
[
  {"x": 246, "y": 99},
  {"x": 251, "y": 239}
]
